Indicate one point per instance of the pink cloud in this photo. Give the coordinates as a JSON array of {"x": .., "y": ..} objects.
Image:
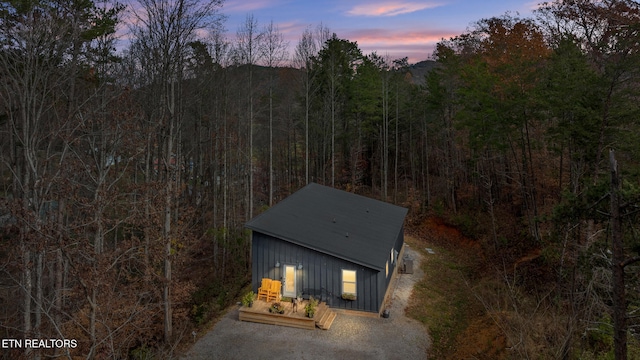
[
  {"x": 533, "y": 5},
  {"x": 290, "y": 29},
  {"x": 390, "y": 9},
  {"x": 417, "y": 45},
  {"x": 386, "y": 38},
  {"x": 397, "y": 36},
  {"x": 246, "y": 6}
]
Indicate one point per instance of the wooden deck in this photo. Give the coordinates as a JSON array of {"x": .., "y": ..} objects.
[{"x": 259, "y": 313}]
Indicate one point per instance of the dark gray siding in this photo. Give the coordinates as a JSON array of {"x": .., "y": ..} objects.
[
  {"x": 392, "y": 266},
  {"x": 321, "y": 275}
]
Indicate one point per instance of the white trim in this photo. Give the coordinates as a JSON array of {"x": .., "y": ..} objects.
[
  {"x": 285, "y": 283},
  {"x": 351, "y": 286}
]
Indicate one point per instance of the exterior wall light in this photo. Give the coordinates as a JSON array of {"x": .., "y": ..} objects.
[
  {"x": 277, "y": 264},
  {"x": 299, "y": 266}
]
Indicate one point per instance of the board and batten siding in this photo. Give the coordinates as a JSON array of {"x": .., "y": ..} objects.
[
  {"x": 397, "y": 247},
  {"x": 321, "y": 274}
]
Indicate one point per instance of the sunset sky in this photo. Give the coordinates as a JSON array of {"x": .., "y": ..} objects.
[{"x": 395, "y": 28}]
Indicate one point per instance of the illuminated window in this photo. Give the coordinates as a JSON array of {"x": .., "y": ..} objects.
[
  {"x": 392, "y": 257},
  {"x": 387, "y": 269},
  {"x": 349, "y": 282}
]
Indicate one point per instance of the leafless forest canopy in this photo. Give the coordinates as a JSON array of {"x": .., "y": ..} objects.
[{"x": 126, "y": 176}]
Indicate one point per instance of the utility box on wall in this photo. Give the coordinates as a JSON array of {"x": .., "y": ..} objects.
[{"x": 407, "y": 266}]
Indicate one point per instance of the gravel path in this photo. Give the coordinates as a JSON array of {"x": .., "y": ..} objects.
[{"x": 350, "y": 336}]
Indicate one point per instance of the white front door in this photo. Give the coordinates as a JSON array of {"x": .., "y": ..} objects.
[{"x": 289, "y": 285}]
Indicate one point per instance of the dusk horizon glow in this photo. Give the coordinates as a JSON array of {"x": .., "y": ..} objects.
[
  {"x": 391, "y": 28},
  {"x": 395, "y": 29}
]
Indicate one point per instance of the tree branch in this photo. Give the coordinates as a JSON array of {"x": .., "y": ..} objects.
[{"x": 630, "y": 261}]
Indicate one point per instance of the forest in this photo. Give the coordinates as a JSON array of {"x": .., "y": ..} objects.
[{"x": 126, "y": 175}]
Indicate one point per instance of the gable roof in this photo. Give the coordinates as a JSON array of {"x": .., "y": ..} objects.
[{"x": 335, "y": 222}]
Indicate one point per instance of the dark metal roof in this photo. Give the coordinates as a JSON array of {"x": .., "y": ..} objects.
[{"x": 335, "y": 222}]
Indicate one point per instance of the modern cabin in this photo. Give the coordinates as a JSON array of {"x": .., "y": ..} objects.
[{"x": 337, "y": 246}]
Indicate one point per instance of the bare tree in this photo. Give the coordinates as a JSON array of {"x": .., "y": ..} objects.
[
  {"x": 28, "y": 64},
  {"x": 163, "y": 32},
  {"x": 274, "y": 53},
  {"x": 385, "y": 87},
  {"x": 247, "y": 52},
  {"x": 43, "y": 46},
  {"x": 35, "y": 40},
  {"x": 307, "y": 48}
]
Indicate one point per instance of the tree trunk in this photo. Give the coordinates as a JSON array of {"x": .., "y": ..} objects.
[
  {"x": 397, "y": 150},
  {"x": 270, "y": 143},
  {"x": 168, "y": 202},
  {"x": 250, "y": 187},
  {"x": 333, "y": 131},
  {"x": 147, "y": 201},
  {"x": 39, "y": 294},
  {"x": 385, "y": 135},
  {"x": 92, "y": 323},
  {"x": 619, "y": 301},
  {"x": 27, "y": 285},
  {"x": 307, "y": 104},
  {"x": 59, "y": 291},
  {"x": 425, "y": 165}
]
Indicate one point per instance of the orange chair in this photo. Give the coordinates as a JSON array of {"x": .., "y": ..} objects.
[
  {"x": 264, "y": 288},
  {"x": 274, "y": 293}
]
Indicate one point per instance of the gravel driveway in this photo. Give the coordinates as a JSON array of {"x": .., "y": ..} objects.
[{"x": 350, "y": 336}]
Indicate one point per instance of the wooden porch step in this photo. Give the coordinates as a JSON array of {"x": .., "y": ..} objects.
[
  {"x": 326, "y": 323},
  {"x": 324, "y": 316}
]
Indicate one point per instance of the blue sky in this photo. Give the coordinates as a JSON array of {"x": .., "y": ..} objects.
[{"x": 394, "y": 28}]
